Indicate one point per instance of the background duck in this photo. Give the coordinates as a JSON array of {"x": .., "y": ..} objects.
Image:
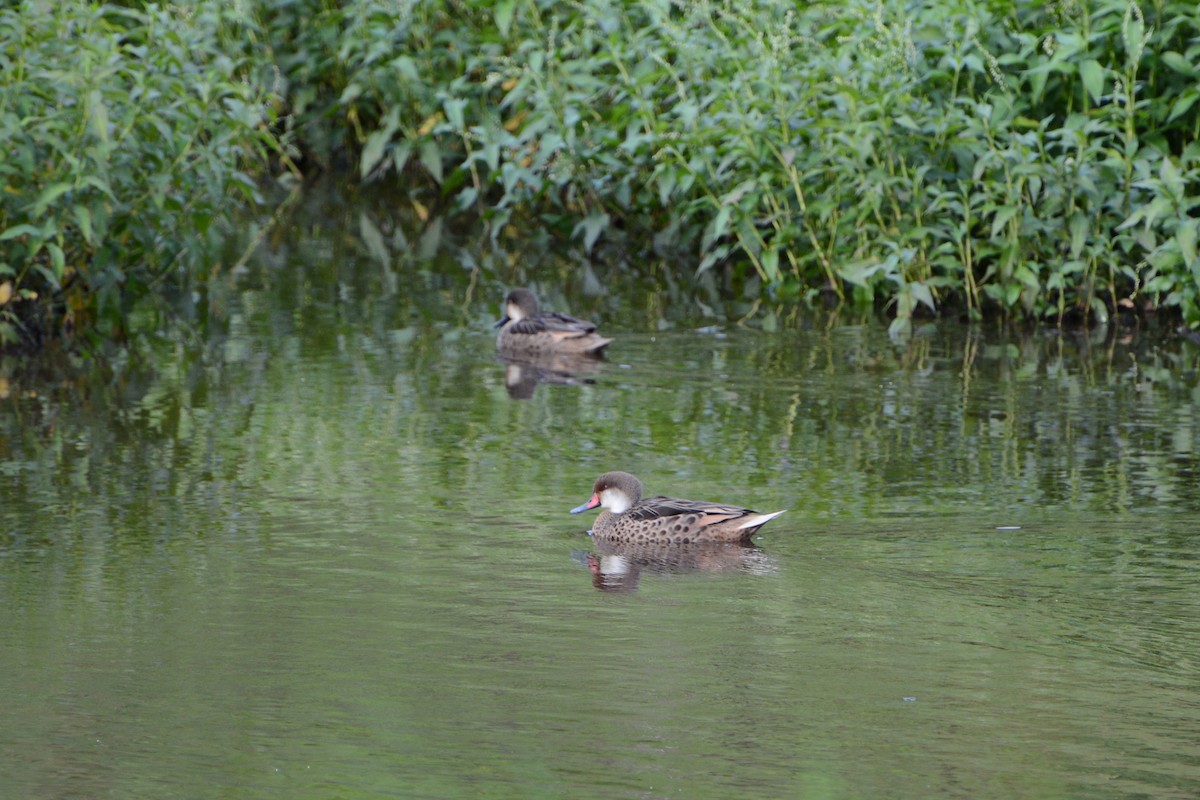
[{"x": 527, "y": 331}]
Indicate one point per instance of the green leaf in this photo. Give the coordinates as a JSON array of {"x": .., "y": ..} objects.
[
  {"x": 1079, "y": 230},
  {"x": 430, "y": 157},
  {"x": 400, "y": 156},
  {"x": 716, "y": 229},
  {"x": 592, "y": 227},
  {"x": 1003, "y": 215},
  {"x": 46, "y": 273},
  {"x": 1157, "y": 209},
  {"x": 407, "y": 69},
  {"x": 1171, "y": 178},
  {"x": 98, "y": 183},
  {"x": 504, "y": 15},
  {"x": 466, "y": 198},
  {"x": 716, "y": 254},
  {"x": 1093, "y": 78},
  {"x": 738, "y": 192},
  {"x": 1186, "y": 237},
  {"x": 920, "y": 293},
  {"x": 1037, "y": 81},
  {"x": 372, "y": 152},
  {"x": 666, "y": 185},
  {"x": 48, "y": 196},
  {"x": 1179, "y": 63},
  {"x": 860, "y": 272},
  {"x": 84, "y": 216},
  {"x": 1027, "y": 277},
  {"x": 490, "y": 153},
  {"x": 454, "y": 112},
  {"x": 1133, "y": 219},
  {"x": 1012, "y": 293},
  {"x": 22, "y": 230},
  {"x": 1182, "y": 105},
  {"x": 770, "y": 264},
  {"x": 58, "y": 260}
]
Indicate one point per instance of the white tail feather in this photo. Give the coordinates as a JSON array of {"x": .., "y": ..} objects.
[{"x": 758, "y": 519}]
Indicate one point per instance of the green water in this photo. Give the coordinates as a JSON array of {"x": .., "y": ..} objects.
[{"x": 308, "y": 546}]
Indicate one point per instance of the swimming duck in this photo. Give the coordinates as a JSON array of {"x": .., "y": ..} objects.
[
  {"x": 628, "y": 519},
  {"x": 526, "y": 331}
]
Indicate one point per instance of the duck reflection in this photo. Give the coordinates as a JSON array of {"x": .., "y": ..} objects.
[
  {"x": 619, "y": 568},
  {"x": 522, "y": 375}
]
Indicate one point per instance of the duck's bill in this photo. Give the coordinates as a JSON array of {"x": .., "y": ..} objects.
[
  {"x": 589, "y": 505},
  {"x": 502, "y": 322}
]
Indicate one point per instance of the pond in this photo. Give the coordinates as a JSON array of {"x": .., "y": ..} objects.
[{"x": 314, "y": 543}]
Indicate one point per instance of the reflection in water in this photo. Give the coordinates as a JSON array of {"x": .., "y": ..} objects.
[
  {"x": 619, "y": 568},
  {"x": 522, "y": 375}
]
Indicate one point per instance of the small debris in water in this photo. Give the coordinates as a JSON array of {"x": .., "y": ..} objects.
[
  {"x": 909, "y": 699},
  {"x": 1008, "y": 527}
]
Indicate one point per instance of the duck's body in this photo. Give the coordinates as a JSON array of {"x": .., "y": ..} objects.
[
  {"x": 527, "y": 331},
  {"x": 628, "y": 519}
]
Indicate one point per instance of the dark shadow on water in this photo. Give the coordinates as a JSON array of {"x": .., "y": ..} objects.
[
  {"x": 619, "y": 568},
  {"x": 522, "y": 375}
]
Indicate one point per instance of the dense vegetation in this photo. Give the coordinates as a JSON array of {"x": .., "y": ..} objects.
[
  {"x": 1020, "y": 158},
  {"x": 127, "y": 134}
]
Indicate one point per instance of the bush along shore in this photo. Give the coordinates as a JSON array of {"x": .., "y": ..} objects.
[
  {"x": 130, "y": 137},
  {"x": 1019, "y": 159}
]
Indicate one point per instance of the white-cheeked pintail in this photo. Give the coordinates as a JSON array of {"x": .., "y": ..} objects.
[
  {"x": 527, "y": 331},
  {"x": 628, "y": 519}
]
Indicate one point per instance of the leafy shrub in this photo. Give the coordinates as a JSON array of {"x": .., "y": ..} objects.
[
  {"x": 1021, "y": 158},
  {"x": 126, "y": 134},
  {"x": 1011, "y": 157}
]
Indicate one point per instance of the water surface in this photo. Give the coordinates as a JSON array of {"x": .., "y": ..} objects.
[{"x": 309, "y": 545}]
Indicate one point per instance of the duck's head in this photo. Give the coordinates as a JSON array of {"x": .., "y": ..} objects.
[
  {"x": 615, "y": 491},
  {"x": 519, "y": 304}
]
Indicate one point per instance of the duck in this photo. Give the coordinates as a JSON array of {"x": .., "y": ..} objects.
[
  {"x": 526, "y": 331},
  {"x": 628, "y": 519}
]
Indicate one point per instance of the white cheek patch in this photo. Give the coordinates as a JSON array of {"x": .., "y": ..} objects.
[
  {"x": 614, "y": 501},
  {"x": 514, "y": 312}
]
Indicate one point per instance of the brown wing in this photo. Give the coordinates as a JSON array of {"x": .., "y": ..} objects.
[
  {"x": 709, "y": 513},
  {"x": 553, "y": 322}
]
